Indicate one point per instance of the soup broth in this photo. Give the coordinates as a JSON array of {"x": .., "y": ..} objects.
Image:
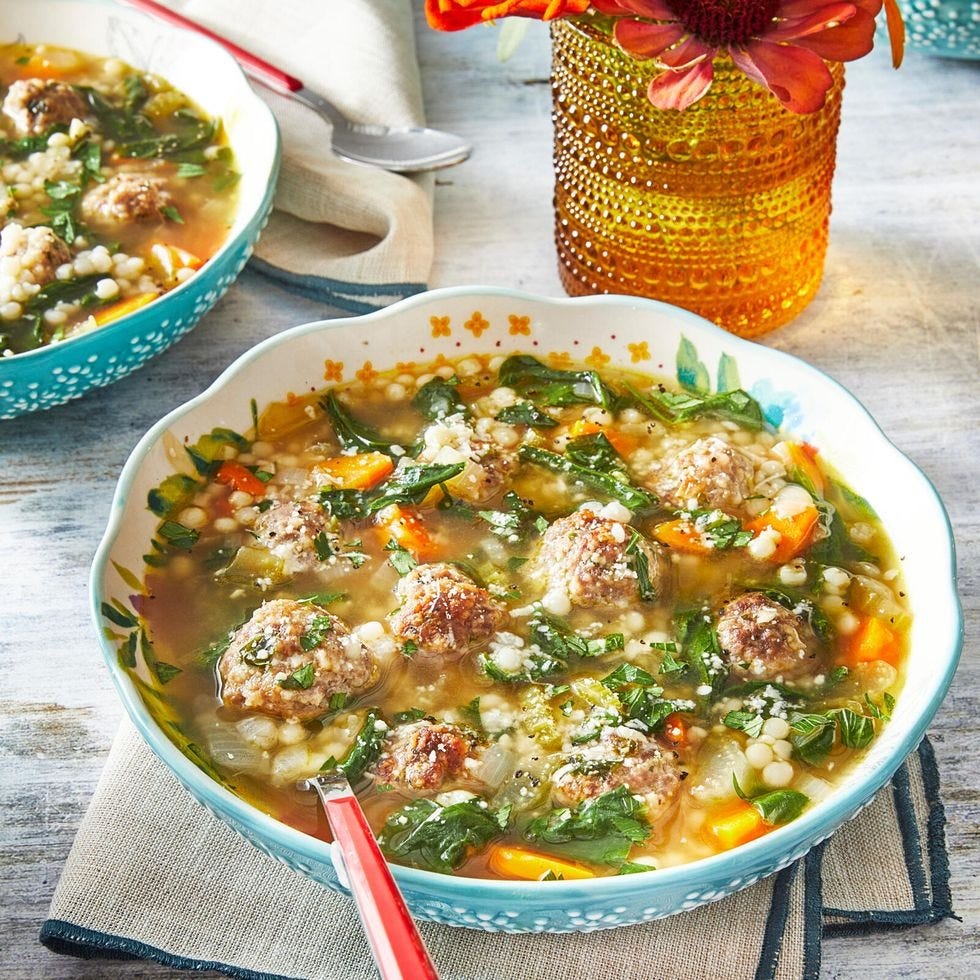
[
  {"x": 550, "y": 624},
  {"x": 115, "y": 189}
]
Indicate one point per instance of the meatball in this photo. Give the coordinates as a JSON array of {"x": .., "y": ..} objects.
[
  {"x": 592, "y": 560},
  {"x": 620, "y": 757},
  {"x": 763, "y": 640},
  {"x": 708, "y": 473},
  {"x": 35, "y": 105},
  {"x": 444, "y": 612},
  {"x": 125, "y": 198},
  {"x": 423, "y": 755},
  {"x": 38, "y": 251},
  {"x": 267, "y": 665},
  {"x": 291, "y": 530},
  {"x": 454, "y": 440}
]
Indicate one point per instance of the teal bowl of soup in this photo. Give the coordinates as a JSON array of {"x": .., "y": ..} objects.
[
  {"x": 139, "y": 168},
  {"x": 600, "y": 607}
]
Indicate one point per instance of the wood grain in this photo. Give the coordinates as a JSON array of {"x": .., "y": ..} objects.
[{"x": 896, "y": 321}]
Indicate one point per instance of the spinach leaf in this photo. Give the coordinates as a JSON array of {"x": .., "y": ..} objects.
[
  {"x": 516, "y": 521},
  {"x": 440, "y": 838},
  {"x": 400, "y": 559},
  {"x": 700, "y": 648},
  {"x": 856, "y": 731},
  {"x": 837, "y": 547},
  {"x": 804, "y": 606},
  {"x": 342, "y": 504},
  {"x": 526, "y": 413},
  {"x": 641, "y": 698},
  {"x": 178, "y": 536},
  {"x": 352, "y": 433},
  {"x": 641, "y": 566},
  {"x": 366, "y": 749},
  {"x": 206, "y": 453},
  {"x": 610, "y": 485},
  {"x": 812, "y": 736},
  {"x": 411, "y": 485},
  {"x": 552, "y": 386},
  {"x": 316, "y": 633},
  {"x": 720, "y": 530},
  {"x": 19, "y": 148},
  {"x": 676, "y": 407},
  {"x": 438, "y": 398},
  {"x": 777, "y": 807},
  {"x": 192, "y": 132},
  {"x": 63, "y": 291},
  {"x": 602, "y": 829}
]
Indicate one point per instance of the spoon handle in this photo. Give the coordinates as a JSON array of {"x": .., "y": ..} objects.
[
  {"x": 398, "y": 948},
  {"x": 253, "y": 65}
]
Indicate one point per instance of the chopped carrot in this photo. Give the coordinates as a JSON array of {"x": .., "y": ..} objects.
[
  {"x": 872, "y": 640},
  {"x": 734, "y": 824},
  {"x": 682, "y": 535},
  {"x": 123, "y": 307},
  {"x": 675, "y": 731},
  {"x": 360, "y": 472},
  {"x": 51, "y": 63},
  {"x": 406, "y": 526},
  {"x": 516, "y": 862},
  {"x": 795, "y": 532},
  {"x": 622, "y": 443},
  {"x": 168, "y": 260},
  {"x": 804, "y": 457},
  {"x": 238, "y": 477}
]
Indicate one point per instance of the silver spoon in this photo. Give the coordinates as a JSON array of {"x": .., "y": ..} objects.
[{"x": 403, "y": 149}]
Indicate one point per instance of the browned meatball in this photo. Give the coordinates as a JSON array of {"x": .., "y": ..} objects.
[
  {"x": 35, "y": 105},
  {"x": 267, "y": 665},
  {"x": 125, "y": 198},
  {"x": 444, "y": 612},
  {"x": 708, "y": 473},
  {"x": 591, "y": 559},
  {"x": 422, "y": 756},
  {"x": 763, "y": 640},
  {"x": 454, "y": 440},
  {"x": 39, "y": 250},
  {"x": 621, "y": 757},
  {"x": 291, "y": 530}
]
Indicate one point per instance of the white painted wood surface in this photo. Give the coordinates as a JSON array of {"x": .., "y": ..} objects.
[{"x": 896, "y": 321}]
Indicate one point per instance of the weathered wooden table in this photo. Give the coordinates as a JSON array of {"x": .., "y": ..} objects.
[{"x": 896, "y": 321}]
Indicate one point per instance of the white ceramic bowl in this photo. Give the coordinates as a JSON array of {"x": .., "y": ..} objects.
[
  {"x": 652, "y": 337},
  {"x": 202, "y": 70}
]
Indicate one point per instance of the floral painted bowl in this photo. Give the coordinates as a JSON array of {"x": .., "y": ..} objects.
[
  {"x": 599, "y": 330},
  {"x": 55, "y": 374}
]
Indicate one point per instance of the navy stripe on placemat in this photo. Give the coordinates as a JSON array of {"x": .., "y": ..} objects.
[
  {"x": 772, "y": 941},
  {"x": 935, "y": 878},
  {"x": 812, "y": 912},
  {"x": 353, "y": 297},
  {"x": 71, "y": 940}
]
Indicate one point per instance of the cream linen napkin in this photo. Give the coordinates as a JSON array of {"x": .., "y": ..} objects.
[
  {"x": 152, "y": 875},
  {"x": 357, "y": 237}
]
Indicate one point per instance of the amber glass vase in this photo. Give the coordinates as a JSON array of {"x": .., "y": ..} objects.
[{"x": 721, "y": 208}]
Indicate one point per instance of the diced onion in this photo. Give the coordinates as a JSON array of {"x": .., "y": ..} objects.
[
  {"x": 258, "y": 730},
  {"x": 497, "y": 765},
  {"x": 813, "y": 786},
  {"x": 723, "y": 758},
  {"x": 226, "y": 748}
]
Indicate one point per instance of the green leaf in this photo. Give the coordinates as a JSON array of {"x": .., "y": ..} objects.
[
  {"x": 352, "y": 433},
  {"x": 595, "y": 452},
  {"x": 300, "y": 679},
  {"x": 856, "y": 731},
  {"x": 316, "y": 633},
  {"x": 721, "y": 531},
  {"x": 471, "y": 714},
  {"x": 178, "y": 536},
  {"x": 777, "y": 807},
  {"x": 411, "y": 485},
  {"x": 812, "y": 736},
  {"x": 632, "y": 868},
  {"x": 366, "y": 749},
  {"x": 728, "y": 379},
  {"x": 674, "y": 408},
  {"x": 165, "y": 672},
  {"x": 745, "y": 721},
  {"x": 526, "y": 413},
  {"x": 190, "y": 170},
  {"x": 617, "y": 488},
  {"x": 610, "y": 824},
  {"x": 412, "y": 714},
  {"x": 118, "y": 616},
  {"x": 171, "y": 494},
  {"x": 322, "y": 546},
  {"x": 440, "y": 838},
  {"x": 438, "y": 398},
  {"x": 547, "y": 386},
  {"x": 641, "y": 566},
  {"x": 700, "y": 648},
  {"x": 63, "y": 291},
  {"x": 400, "y": 559},
  {"x": 691, "y": 372},
  {"x": 172, "y": 214}
]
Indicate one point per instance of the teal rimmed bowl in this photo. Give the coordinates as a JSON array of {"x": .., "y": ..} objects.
[
  {"x": 55, "y": 374},
  {"x": 650, "y": 336}
]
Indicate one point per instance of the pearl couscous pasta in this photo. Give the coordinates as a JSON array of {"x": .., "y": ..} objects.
[
  {"x": 114, "y": 189},
  {"x": 550, "y": 624}
]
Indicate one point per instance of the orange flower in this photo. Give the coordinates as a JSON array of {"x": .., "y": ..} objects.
[
  {"x": 367, "y": 373},
  {"x": 440, "y": 326},
  {"x": 781, "y": 44},
  {"x": 455, "y": 15},
  {"x": 639, "y": 351},
  {"x": 333, "y": 370},
  {"x": 477, "y": 323},
  {"x": 520, "y": 325},
  {"x": 598, "y": 358}
]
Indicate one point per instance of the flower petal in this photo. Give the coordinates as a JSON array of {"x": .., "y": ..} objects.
[
  {"x": 851, "y": 40},
  {"x": 797, "y": 77},
  {"x": 643, "y": 40},
  {"x": 818, "y": 20},
  {"x": 688, "y": 52},
  {"x": 651, "y": 9},
  {"x": 679, "y": 89}
]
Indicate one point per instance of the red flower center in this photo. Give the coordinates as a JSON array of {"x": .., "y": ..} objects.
[{"x": 724, "y": 22}]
